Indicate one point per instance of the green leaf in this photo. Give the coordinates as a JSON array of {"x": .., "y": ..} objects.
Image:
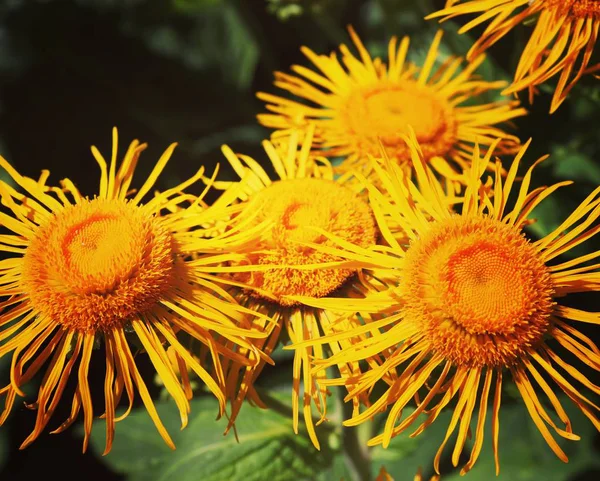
[
  {"x": 548, "y": 215},
  {"x": 220, "y": 39},
  {"x": 338, "y": 471},
  {"x": 266, "y": 447},
  {"x": 524, "y": 456},
  {"x": 265, "y": 451},
  {"x": 241, "y": 49},
  {"x": 405, "y": 455},
  {"x": 572, "y": 163},
  {"x": 223, "y": 38},
  {"x": 137, "y": 447}
]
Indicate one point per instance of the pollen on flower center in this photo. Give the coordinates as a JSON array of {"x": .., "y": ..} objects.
[
  {"x": 385, "y": 112},
  {"x": 97, "y": 264},
  {"x": 477, "y": 278},
  {"x": 577, "y": 8},
  {"x": 479, "y": 290},
  {"x": 296, "y": 209},
  {"x": 99, "y": 252}
]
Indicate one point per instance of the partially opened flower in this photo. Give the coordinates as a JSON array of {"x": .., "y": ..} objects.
[
  {"x": 476, "y": 304},
  {"x": 561, "y": 43},
  {"x": 79, "y": 273},
  {"x": 303, "y": 201},
  {"x": 359, "y": 103}
]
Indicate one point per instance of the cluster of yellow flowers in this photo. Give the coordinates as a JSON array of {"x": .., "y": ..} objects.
[{"x": 404, "y": 266}]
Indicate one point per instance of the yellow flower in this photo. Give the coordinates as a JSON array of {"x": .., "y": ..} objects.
[
  {"x": 474, "y": 299},
  {"x": 384, "y": 476},
  {"x": 358, "y": 103},
  {"x": 296, "y": 208},
  {"x": 78, "y": 271},
  {"x": 561, "y": 43}
]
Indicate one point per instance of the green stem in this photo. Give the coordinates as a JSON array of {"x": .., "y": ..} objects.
[
  {"x": 285, "y": 410},
  {"x": 356, "y": 454}
]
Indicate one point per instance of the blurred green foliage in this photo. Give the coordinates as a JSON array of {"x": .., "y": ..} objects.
[
  {"x": 525, "y": 457},
  {"x": 187, "y": 71}
]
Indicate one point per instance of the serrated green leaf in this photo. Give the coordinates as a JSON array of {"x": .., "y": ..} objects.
[{"x": 266, "y": 447}]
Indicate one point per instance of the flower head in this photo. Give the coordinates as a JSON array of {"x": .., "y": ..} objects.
[
  {"x": 82, "y": 272},
  {"x": 561, "y": 43},
  {"x": 359, "y": 103},
  {"x": 455, "y": 284},
  {"x": 474, "y": 299},
  {"x": 97, "y": 264},
  {"x": 297, "y": 209}
]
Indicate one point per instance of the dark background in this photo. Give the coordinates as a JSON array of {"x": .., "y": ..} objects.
[{"x": 186, "y": 71}]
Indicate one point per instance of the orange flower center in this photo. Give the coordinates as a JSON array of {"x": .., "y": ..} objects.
[
  {"x": 384, "y": 113},
  {"x": 97, "y": 264},
  {"x": 577, "y": 8},
  {"x": 479, "y": 291},
  {"x": 295, "y": 208}
]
